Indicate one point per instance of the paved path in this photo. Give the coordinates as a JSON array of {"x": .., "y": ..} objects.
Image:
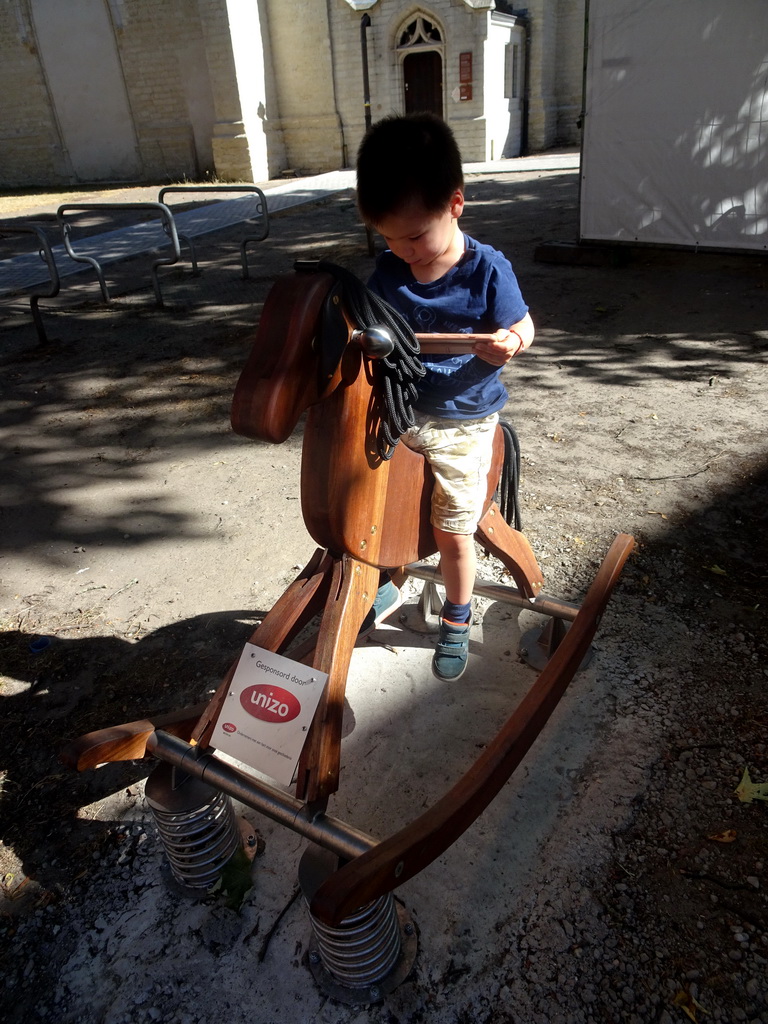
[{"x": 27, "y": 271}]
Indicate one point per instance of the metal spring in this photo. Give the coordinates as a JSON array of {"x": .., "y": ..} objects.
[
  {"x": 199, "y": 842},
  {"x": 365, "y": 947}
]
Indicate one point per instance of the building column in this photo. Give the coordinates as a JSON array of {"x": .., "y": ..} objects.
[{"x": 235, "y": 52}]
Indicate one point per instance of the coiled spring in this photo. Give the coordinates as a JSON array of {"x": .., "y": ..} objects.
[
  {"x": 199, "y": 842},
  {"x": 365, "y": 947}
]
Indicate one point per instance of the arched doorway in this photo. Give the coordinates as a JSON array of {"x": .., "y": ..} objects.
[{"x": 420, "y": 44}]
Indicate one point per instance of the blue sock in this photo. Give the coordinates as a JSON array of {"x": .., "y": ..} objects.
[{"x": 456, "y": 612}]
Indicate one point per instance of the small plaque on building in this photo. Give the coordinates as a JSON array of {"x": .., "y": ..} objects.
[{"x": 465, "y": 67}]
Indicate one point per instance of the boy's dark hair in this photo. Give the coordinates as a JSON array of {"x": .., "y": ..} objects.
[{"x": 403, "y": 158}]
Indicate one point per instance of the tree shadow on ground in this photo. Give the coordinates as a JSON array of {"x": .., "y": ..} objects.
[
  {"x": 122, "y": 388},
  {"x": 74, "y": 686},
  {"x": 124, "y": 385},
  {"x": 78, "y": 685}
]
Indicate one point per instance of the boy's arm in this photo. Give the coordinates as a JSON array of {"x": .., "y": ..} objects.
[{"x": 509, "y": 342}]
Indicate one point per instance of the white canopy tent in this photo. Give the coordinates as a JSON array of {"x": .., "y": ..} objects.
[{"x": 675, "y": 141}]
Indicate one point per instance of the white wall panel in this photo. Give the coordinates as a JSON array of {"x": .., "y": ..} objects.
[{"x": 676, "y": 123}]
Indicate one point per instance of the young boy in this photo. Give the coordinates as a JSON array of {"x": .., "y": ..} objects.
[{"x": 410, "y": 189}]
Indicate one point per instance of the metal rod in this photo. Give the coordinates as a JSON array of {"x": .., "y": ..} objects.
[
  {"x": 365, "y": 21},
  {"x": 331, "y": 833},
  {"x": 159, "y": 209},
  {"x": 501, "y": 592}
]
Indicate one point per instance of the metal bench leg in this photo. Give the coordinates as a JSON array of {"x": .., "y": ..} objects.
[
  {"x": 42, "y": 337},
  {"x": 46, "y": 255},
  {"x": 192, "y": 253},
  {"x": 66, "y": 231}
]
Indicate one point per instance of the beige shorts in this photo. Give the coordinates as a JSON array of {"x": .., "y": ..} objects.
[{"x": 459, "y": 453}]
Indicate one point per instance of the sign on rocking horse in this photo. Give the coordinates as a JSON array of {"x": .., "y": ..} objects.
[{"x": 268, "y": 710}]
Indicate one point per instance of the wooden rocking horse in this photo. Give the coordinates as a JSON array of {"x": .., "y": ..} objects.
[{"x": 367, "y": 511}]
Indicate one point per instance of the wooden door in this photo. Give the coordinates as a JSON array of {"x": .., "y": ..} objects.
[{"x": 423, "y": 82}]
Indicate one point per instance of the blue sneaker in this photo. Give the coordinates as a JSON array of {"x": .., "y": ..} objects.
[
  {"x": 452, "y": 650},
  {"x": 388, "y": 599}
]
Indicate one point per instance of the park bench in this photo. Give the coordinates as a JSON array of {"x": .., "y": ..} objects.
[
  {"x": 250, "y": 209},
  {"x": 33, "y": 270},
  {"x": 167, "y": 229},
  {"x": 158, "y": 232},
  {"x": 145, "y": 237}
]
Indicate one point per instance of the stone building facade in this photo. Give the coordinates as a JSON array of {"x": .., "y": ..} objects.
[{"x": 243, "y": 90}]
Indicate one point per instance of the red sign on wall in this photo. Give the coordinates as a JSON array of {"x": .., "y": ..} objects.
[{"x": 465, "y": 67}]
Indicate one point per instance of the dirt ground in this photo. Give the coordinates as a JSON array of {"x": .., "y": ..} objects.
[{"x": 141, "y": 540}]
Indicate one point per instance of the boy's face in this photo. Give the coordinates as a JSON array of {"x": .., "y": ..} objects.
[{"x": 422, "y": 239}]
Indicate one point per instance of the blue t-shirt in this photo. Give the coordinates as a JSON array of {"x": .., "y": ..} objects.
[{"x": 478, "y": 295}]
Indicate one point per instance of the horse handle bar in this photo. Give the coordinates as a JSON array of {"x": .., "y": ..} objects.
[{"x": 377, "y": 342}]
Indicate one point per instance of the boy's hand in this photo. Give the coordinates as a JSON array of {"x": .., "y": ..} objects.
[
  {"x": 506, "y": 343},
  {"x": 501, "y": 350}
]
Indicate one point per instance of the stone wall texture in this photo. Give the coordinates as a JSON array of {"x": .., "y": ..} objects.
[{"x": 247, "y": 90}]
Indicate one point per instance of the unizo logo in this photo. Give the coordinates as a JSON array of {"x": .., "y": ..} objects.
[
  {"x": 229, "y": 727},
  {"x": 270, "y": 703}
]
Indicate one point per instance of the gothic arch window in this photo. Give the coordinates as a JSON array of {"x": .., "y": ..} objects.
[
  {"x": 419, "y": 32},
  {"x": 420, "y": 53}
]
